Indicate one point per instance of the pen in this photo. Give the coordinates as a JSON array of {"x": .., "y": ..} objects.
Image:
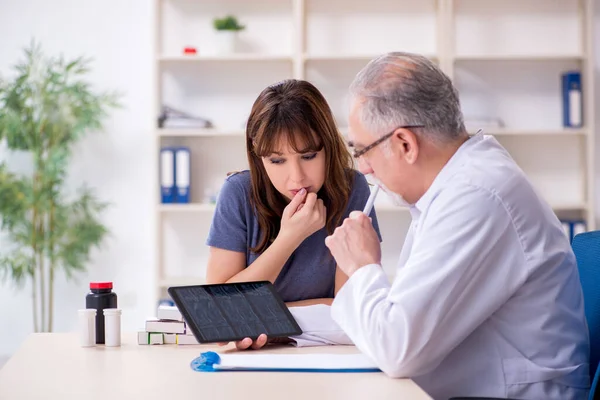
[{"x": 370, "y": 201}]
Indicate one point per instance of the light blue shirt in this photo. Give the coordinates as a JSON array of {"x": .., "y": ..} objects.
[{"x": 486, "y": 300}]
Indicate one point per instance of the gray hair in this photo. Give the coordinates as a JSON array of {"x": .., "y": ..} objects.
[{"x": 399, "y": 89}]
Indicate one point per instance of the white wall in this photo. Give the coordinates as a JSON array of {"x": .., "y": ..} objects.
[
  {"x": 120, "y": 162},
  {"x": 117, "y": 163}
]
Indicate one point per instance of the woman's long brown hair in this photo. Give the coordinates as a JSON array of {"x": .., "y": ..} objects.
[{"x": 297, "y": 111}]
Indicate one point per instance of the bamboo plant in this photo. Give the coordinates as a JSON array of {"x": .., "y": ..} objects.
[{"x": 45, "y": 109}]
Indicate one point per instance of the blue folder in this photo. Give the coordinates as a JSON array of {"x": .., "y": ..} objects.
[
  {"x": 573, "y": 227},
  {"x": 167, "y": 174},
  {"x": 572, "y": 100},
  {"x": 182, "y": 174},
  {"x": 213, "y": 362}
]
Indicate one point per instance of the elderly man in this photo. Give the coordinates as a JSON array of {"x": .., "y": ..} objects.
[{"x": 486, "y": 300}]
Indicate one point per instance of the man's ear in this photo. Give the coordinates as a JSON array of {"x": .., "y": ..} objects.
[{"x": 408, "y": 143}]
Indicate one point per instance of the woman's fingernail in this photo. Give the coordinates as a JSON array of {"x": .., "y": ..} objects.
[{"x": 302, "y": 191}]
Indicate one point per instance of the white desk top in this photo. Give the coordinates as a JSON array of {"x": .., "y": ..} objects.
[{"x": 53, "y": 366}]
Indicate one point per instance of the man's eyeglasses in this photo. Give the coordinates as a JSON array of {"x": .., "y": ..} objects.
[{"x": 358, "y": 153}]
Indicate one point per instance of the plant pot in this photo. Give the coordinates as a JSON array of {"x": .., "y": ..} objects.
[{"x": 226, "y": 42}]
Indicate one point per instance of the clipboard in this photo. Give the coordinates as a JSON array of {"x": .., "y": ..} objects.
[{"x": 234, "y": 311}]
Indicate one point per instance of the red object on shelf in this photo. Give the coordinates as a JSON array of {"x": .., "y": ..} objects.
[{"x": 189, "y": 50}]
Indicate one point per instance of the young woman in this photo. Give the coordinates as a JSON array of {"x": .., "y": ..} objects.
[{"x": 271, "y": 222}]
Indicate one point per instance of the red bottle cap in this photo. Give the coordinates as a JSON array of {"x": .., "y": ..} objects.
[
  {"x": 101, "y": 285},
  {"x": 189, "y": 50}
]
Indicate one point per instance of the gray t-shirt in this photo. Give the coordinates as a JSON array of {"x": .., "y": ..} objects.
[{"x": 309, "y": 273}]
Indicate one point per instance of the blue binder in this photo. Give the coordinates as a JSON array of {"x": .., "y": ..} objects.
[
  {"x": 572, "y": 100},
  {"x": 212, "y": 362},
  {"x": 182, "y": 174},
  {"x": 167, "y": 174},
  {"x": 573, "y": 228}
]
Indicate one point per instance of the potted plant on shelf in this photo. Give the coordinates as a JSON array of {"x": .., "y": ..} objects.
[
  {"x": 45, "y": 109},
  {"x": 227, "y": 29}
]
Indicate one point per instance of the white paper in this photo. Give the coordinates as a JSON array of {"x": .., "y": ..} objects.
[
  {"x": 295, "y": 361},
  {"x": 318, "y": 328}
]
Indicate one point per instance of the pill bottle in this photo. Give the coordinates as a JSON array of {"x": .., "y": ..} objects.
[
  {"x": 100, "y": 297},
  {"x": 87, "y": 327},
  {"x": 112, "y": 327}
]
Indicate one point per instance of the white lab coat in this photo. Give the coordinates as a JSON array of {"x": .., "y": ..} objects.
[{"x": 486, "y": 300}]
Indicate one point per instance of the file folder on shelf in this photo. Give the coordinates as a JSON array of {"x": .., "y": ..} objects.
[
  {"x": 182, "y": 174},
  {"x": 572, "y": 100},
  {"x": 167, "y": 174},
  {"x": 214, "y": 362},
  {"x": 573, "y": 228}
]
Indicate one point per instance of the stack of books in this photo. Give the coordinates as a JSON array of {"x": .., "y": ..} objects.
[{"x": 167, "y": 328}]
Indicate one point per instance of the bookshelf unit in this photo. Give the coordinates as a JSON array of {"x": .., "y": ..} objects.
[{"x": 505, "y": 56}]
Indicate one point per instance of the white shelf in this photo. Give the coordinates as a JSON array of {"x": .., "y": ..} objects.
[
  {"x": 347, "y": 57},
  {"x": 555, "y": 207},
  {"x": 188, "y": 207},
  {"x": 195, "y": 208},
  {"x": 519, "y": 57},
  {"x": 225, "y": 58},
  {"x": 326, "y": 43},
  {"x": 515, "y": 132},
  {"x": 518, "y": 27},
  {"x": 536, "y": 132},
  {"x": 181, "y": 281},
  {"x": 209, "y": 132},
  {"x": 569, "y": 206}
]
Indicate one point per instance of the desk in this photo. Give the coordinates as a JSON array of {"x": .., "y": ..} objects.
[{"x": 53, "y": 366}]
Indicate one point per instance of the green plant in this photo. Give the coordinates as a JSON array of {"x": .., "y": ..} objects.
[
  {"x": 44, "y": 111},
  {"x": 227, "y": 23}
]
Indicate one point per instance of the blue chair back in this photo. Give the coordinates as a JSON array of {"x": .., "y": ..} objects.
[
  {"x": 594, "y": 392},
  {"x": 586, "y": 247}
]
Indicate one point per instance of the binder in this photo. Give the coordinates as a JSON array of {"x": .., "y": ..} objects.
[
  {"x": 579, "y": 227},
  {"x": 182, "y": 174},
  {"x": 572, "y": 100},
  {"x": 212, "y": 362},
  {"x": 167, "y": 175},
  {"x": 573, "y": 227}
]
